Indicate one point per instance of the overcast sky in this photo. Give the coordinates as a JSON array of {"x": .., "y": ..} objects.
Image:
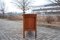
[{"x": 11, "y": 8}]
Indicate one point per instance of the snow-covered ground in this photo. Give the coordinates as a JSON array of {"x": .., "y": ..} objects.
[{"x": 13, "y": 30}]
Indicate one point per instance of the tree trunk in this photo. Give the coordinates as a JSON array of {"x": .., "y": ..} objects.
[{"x": 3, "y": 14}]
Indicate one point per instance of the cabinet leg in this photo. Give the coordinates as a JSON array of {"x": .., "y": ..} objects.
[
  {"x": 35, "y": 34},
  {"x": 23, "y": 34}
]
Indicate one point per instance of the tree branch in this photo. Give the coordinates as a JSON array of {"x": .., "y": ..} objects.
[{"x": 15, "y": 4}]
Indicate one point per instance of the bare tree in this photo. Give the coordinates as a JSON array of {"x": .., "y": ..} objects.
[
  {"x": 23, "y": 4},
  {"x": 58, "y": 1},
  {"x": 55, "y": 1},
  {"x": 3, "y": 8}
]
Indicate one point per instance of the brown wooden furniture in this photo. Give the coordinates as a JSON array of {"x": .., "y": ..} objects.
[{"x": 29, "y": 23}]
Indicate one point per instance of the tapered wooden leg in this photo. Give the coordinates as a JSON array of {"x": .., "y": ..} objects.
[
  {"x": 23, "y": 34},
  {"x": 35, "y": 34}
]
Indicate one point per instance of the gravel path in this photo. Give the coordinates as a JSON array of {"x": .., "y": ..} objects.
[{"x": 13, "y": 30}]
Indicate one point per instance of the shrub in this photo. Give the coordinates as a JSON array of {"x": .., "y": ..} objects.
[{"x": 49, "y": 19}]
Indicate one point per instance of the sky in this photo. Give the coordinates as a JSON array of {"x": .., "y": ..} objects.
[{"x": 9, "y": 7}]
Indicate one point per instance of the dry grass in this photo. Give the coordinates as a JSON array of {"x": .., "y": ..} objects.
[
  {"x": 55, "y": 20},
  {"x": 49, "y": 20},
  {"x": 18, "y": 17}
]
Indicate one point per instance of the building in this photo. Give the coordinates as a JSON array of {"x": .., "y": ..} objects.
[{"x": 50, "y": 9}]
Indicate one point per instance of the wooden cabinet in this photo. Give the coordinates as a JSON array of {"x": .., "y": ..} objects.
[{"x": 29, "y": 23}]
